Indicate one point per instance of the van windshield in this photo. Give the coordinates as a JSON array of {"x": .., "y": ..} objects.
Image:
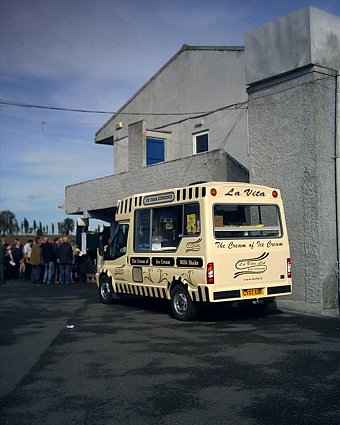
[{"x": 246, "y": 221}]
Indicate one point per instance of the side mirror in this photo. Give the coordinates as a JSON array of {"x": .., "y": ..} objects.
[{"x": 100, "y": 247}]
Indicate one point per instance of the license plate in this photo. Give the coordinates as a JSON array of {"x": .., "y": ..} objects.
[{"x": 252, "y": 292}]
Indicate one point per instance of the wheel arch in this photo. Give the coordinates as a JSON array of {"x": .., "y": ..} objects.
[
  {"x": 177, "y": 280},
  {"x": 106, "y": 273}
]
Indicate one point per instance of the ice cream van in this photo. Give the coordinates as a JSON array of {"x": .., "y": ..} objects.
[{"x": 211, "y": 243}]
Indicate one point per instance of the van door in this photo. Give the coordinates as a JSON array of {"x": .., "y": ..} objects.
[{"x": 115, "y": 254}]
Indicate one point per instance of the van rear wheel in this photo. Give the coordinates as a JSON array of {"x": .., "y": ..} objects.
[{"x": 182, "y": 306}]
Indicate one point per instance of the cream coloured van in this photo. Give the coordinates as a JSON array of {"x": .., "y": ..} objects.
[{"x": 206, "y": 243}]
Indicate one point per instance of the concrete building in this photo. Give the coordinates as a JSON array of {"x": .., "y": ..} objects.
[{"x": 188, "y": 123}]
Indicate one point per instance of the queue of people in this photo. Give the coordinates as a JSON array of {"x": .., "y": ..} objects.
[{"x": 42, "y": 261}]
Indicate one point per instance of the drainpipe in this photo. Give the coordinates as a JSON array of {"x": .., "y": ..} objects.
[{"x": 337, "y": 171}]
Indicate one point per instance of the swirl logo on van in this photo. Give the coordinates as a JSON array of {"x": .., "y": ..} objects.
[
  {"x": 193, "y": 246},
  {"x": 251, "y": 265}
]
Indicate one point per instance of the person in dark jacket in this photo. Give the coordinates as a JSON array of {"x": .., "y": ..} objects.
[
  {"x": 17, "y": 257},
  {"x": 65, "y": 257},
  {"x": 56, "y": 261},
  {"x": 2, "y": 259},
  {"x": 10, "y": 264},
  {"x": 48, "y": 258}
]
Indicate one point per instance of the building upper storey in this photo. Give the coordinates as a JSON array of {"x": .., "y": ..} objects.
[{"x": 195, "y": 103}]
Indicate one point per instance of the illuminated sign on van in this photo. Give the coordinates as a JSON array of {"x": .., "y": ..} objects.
[{"x": 162, "y": 198}]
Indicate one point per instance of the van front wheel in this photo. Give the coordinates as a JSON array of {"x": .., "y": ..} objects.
[
  {"x": 182, "y": 307},
  {"x": 105, "y": 290}
]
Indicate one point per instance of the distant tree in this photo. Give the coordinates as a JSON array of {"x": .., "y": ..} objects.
[
  {"x": 26, "y": 225},
  {"x": 60, "y": 228},
  {"x": 34, "y": 226},
  {"x": 68, "y": 226},
  {"x": 40, "y": 226},
  {"x": 22, "y": 227},
  {"x": 8, "y": 223},
  {"x": 39, "y": 232},
  {"x": 52, "y": 228},
  {"x": 46, "y": 228}
]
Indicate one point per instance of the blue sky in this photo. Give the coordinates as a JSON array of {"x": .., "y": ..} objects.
[{"x": 93, "y": 55}]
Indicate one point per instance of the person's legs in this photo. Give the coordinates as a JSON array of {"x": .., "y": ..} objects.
[
  {"x": 45, "y": 278},
  {"x": 50, "y": 272},
  {"x": 68, "y": 273},
  {"x": 56, "y": 272},
  {"x": 35, "y": 274},
  {"x": 62, "y": 273},
  {"x": 2, "y": 271},
  {"x": 28, "y": 271}
]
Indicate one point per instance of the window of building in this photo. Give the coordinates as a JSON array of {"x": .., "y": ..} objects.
[
  {"x": 154, "y": 150},
  {"x": 201, "y": 142}
]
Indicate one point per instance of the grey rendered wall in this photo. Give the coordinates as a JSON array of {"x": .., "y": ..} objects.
[
  {"x": 292, "y": 142},
  {"x": 291, "y": 67},
  {"x": 304, "y": 37},
  {"x": 196, "y": 79}
]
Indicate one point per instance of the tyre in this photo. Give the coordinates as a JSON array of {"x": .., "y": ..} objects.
[
  {"x": 182, "y": 306},
  {"x": 105, "y": 290}
]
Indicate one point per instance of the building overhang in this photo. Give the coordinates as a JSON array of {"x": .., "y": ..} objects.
[
  {"x": 105, "y": 141},
  {"x": 98, "y": 198}
]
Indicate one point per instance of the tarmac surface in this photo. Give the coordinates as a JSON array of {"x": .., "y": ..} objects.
[{"x": 67, "y": 359}]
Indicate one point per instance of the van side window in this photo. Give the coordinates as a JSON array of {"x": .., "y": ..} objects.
[
  {"x": 158, "y": 229},
  {"x": 166, "y": 228},
  {"x": 247, "y": 221},
  {"x": 191, "y": 219},
  {"x": 118, "y": 243},
  {"x": 142, "y": 230}
]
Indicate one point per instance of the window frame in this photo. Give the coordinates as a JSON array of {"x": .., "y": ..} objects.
[
  {"x": 154, "y": 140},
  {"x": 181, "y": 232},
  {"x": 108, "y": 255},
  {"x": 195, "y": 136},
  {"x": 239, "y": 229}
]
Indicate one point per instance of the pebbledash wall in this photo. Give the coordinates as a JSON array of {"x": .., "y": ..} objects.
[{"x": 291, "y": 69}]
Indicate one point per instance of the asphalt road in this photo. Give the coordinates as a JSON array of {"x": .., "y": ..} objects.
[{"x": 67, "y": 359}]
